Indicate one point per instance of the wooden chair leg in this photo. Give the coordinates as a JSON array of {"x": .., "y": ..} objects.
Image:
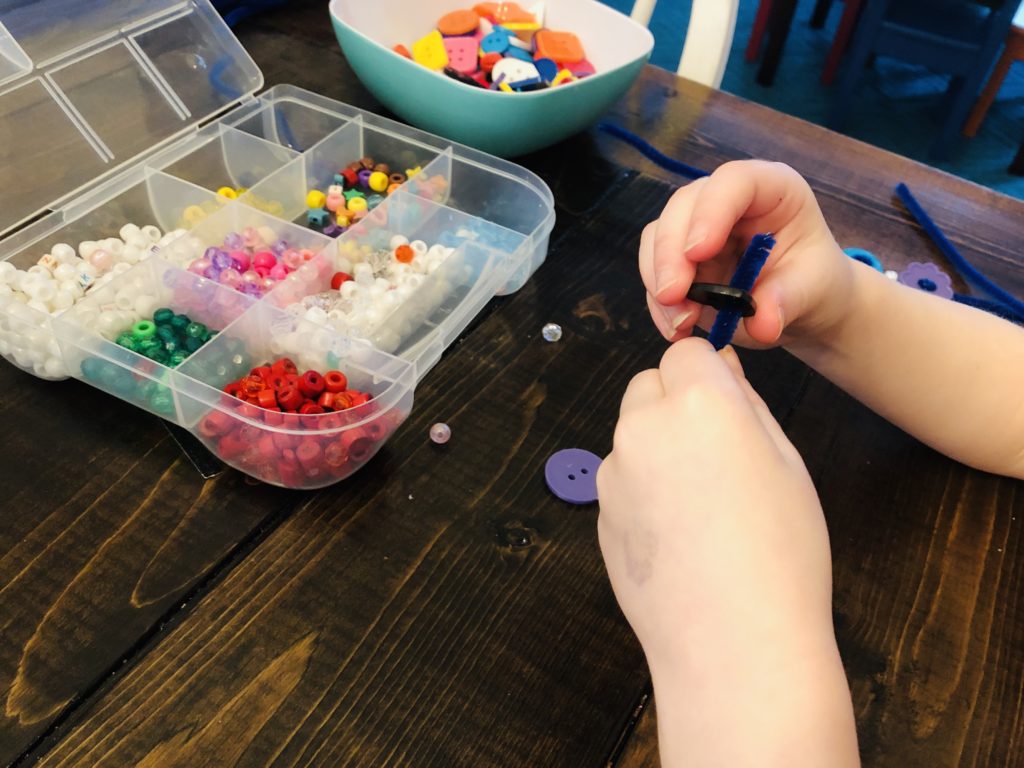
[
  {"x": 764, "y": 11},
  {"x": 835, "y": 55},
  {"x": 995, "y": 82},
  {"x": 820, "y": 15}
]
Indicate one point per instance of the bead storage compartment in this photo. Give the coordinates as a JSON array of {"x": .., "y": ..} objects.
[
  {"x": 295, "y": 450},
  {"x": 464, "y": 227}
]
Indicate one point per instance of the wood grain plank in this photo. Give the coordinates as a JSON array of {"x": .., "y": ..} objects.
[{"x": 107, "y": 529}]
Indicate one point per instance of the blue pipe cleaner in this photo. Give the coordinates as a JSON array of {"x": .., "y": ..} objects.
[
  {"x": 652, "y": 154},
  {"x": 993, "y": 307},
  {"x": 744, "y": 277},
  {"x": 967, "y": 270}
]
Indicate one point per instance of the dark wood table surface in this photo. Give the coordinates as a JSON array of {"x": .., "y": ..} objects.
[{"x": 440, "y": 607}]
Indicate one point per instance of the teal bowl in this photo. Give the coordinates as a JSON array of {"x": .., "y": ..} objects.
[{"x": 503, "y": 124}]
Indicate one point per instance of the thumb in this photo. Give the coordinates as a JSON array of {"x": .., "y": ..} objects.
[{"x": 781, "y": 301}]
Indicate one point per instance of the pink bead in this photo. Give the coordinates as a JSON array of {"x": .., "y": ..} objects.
[
  {"x": 101, "y": 259},
  {"x": 263, "y": 259},
  {"x": 268, "y": 283},
  {"x": 241, "y": 259},
  {"x": 307, "y": 255},
  {"x": 262, "y": 271},
  {"x": 250, "y": 238},
  {"x": 334, "y": 202},
  {"x": 292, "y": 259},
  {"x": 251, "y": 278},
  {"x": 199, "y": 266},
  {"x": 279, "y": 272},
  {"x": 232, "y": 278}
]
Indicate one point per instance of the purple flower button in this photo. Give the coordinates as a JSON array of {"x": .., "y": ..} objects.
[{"x": 927, "y": 277}]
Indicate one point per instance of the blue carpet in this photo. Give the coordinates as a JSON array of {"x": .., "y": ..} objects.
[{"x": 899, "y": 105}]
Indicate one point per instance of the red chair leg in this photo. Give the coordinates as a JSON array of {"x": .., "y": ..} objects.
[
  {"x": 764, "y": 10},
  {"x": 846, "y": 26}
]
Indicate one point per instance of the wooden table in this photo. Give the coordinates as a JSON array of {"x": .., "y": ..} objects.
[{"x": 441, "y": 607}]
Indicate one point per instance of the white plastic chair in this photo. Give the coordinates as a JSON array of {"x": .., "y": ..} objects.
[{"x": 708, "y": 37}]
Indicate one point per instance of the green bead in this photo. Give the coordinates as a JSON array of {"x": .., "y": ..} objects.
[
  {"x": 144, "y": 329},
  {"x": 146, "y": 389},
  {"x": 177, "y": 358},
  {"x": 162, "y": 402},
  {"x": 92, "y": 369},
  {"x": 163, "y": 316},
  {"x": 166, "y": 332},
  {"x": 195, "y": 330},
  {"x": 180, "y": 322},
  {"x": 193, "y": 344},
  {"x": 172, "y": 346},
  {"x": 127, "y": 341}
]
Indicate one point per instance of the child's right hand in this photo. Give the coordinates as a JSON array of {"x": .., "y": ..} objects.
[{"x": 803, "y": 289}]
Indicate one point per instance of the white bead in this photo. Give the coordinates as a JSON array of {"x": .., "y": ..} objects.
[
  {"x": 145, "y": 306},
  {"x": 38, "y": 306},
  {"x": 39, "y": 269},
  {"x": 363, "y": 274},
  {"x": 892, "y": 274},
  {"x": 86, "y": 248},
  {"x": 125, "y": 299},
  {"x": 151, "y": 233},
  {"x": 267, "y": 234},
  {"x": 54, "y": 368},
  {"x": 344, "y": 265},
  {"x": 113, "y": 246},
  {"x": 397, "y": 240},
  {"x": 437, "y": 251},
  {"x": 120, "y": 268},
  {"x": 128, "y": 231},
  {"x": 63, "y": 253},
  {"x": 316, "y": 315},
  {"x": 7, "y": 272},
  {"x": 49, "y": 262},
  {"x": 418, "y": 247},
  {"x": 64, "y": 273}
]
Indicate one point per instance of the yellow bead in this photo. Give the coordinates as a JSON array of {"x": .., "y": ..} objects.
[
  {"x": 357, "y": 204},
  {"x": 193, "y": 214},
  {"x": 410, "y": 172},
  {"x": 227, "y": 192},
  {"x": 378, "y": 181},
  {"x": 315, "y": 199},
  {"x": 241, "y": 191},
  {"x": 429, "y": 51},
  {"x": 342, "y": 221},
  {"x": 505, "y": 87}
]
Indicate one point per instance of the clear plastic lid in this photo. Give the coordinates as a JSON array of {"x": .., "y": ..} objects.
[{"x": 87, "y": 86}]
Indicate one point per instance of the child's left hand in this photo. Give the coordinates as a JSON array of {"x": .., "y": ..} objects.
[{"x": 717, "y": 550}]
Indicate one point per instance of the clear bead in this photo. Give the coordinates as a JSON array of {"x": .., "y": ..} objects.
[
  {"x": 551, "y": 332},
  {"x": 440, "y": 433}
]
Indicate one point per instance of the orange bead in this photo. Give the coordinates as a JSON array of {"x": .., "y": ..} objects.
[
  {"x": 401, "y": 50},
  {"x": 404, "y": 254},
  {"x": 458, "y": 23},
  {"x": 488, "y": 60},
  {"x": 392, "y": 188}
]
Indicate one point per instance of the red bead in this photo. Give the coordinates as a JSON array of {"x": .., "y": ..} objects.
[
  {"x": 404, "y": 254},
  {"x": 311, "y": 384},
  {"x": 338, "y": 279},
  {"x": 342, "y": 401},
  {"x": 310, "y": 408},
  {"x": 215, "y": 423},
  {"x": 232, "y": 388},
  {"x": 263, "y": 371},
  {"x": 326, "y": 401},
  {"x": 376, "y": 429},
  {"x": 284, "y": 366},
  {"x": 273, "y": 417},
  {"x": 289, "y": 397},
  {"x": 351, "y": 177},
  {"x": 276, "y": 380},
  {"x": 310, "y": 456},
  {"x": 358, "y": 445},
  {"x": 335, "y": 381},
  {"x": 230, "y": 447},
  {"x": 335, "y": 455},
  {"x": 266, "y": 448},
  {"x": 358, "y": 398},
  {"x": 266, "y": 398}
]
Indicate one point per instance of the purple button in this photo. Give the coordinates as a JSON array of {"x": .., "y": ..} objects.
[{"x": 571, "y": 474}]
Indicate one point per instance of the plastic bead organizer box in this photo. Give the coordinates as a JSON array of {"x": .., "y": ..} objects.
[{"x": 121, "y": 121}]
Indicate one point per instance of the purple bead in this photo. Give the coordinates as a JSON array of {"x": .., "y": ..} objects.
[
  {"x": 279, "y": 247},
  {"x": 364, "y": 177},
  {"x": 211, "y": 252},
  {"x": 221, "y": 260},
  {"x": 333, "y": 230},
  {"x": 925, "y": 276},
  {"x": 212, "y": 273},
  {"x": 233, "y": 241}
]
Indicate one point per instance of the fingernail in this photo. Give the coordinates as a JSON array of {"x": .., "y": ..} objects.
[
  {"x": 663, "y": 280},
  {"x": 681, "y": 318},
  {"x": 782, "y": 323},
  {"x": 696, "y": 238}
]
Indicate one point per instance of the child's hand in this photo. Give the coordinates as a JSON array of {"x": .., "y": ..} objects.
[
  {"x": 803, "y": 289},
  {"x": 717, "y": 550}
]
